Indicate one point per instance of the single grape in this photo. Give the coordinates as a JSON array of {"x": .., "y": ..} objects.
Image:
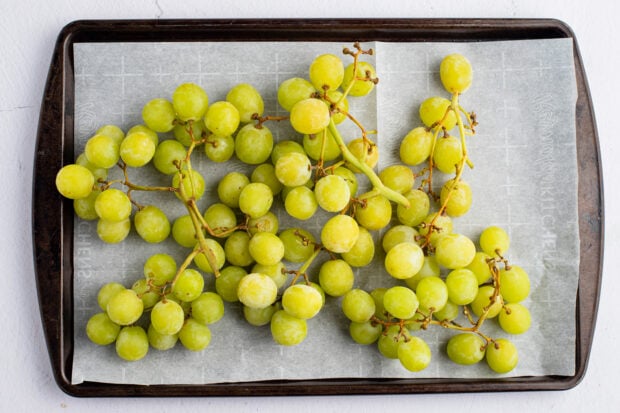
[
  {"x": 227, "y": 283},
  {"x": 361, "y": 82},
  {"x": 435, "y": 110},
  {"x": 309, "y": 116},
  {"x": 113, "y": 232},
  {"x": 454, "y": 251},
  {"x": 399, "y": 178},
  {"x": 113, "y": 205},
  {"x": 514, "y": 284},
  {"x": 102, "y": 151},
  {"x": 456, "y": 73},
  {"x": 365, "y": 333},
  {"x": 152, "y": 224},
  {"x": 219, "y": 256},
  {"x": 414, "y": 354},
  {"x": 195, "y": 336},
  {"x": 167, "y": 317},
  {"x": 137, "y": 149},
  {"x": 219, "y": 148},
  {"x": 229, "y": 188},
  {"x": 167, "y": 155},
  {"x": 112, "y": 131},
  {"x": 322, "y": 143},
  {"x": 419, "y": 207},
  {"x": 193, "y": 184},
  {"x": 266, "y": 174},
  {"x": 502, "y": 356},
  {"x": 159, "y": 115},
  {"x": 253, "y": 145},
  {"x": 161, "y": 341},
  {"x": 396, "y": 235},
  {"x": 494, "y": 241},
  {"x": 237, "y": 249},
  {"x": 221, "y": 219},
  {"x": 462, "y": 286},
  {"x": 259, "y": 316},
  {"x": 336, "y": 277},
  {"x": 101, "y": 330},
  {"x": 480, "y": 267},
  {"x": 190, "y": 101},
  {"x": 266, "y": 248},
  {"x": 284, "y": 147},
  {"x": 255, "y": 199},
  {"x": 247, "y": 100},
  {"x": 222, "y": 118},
  {"x": 339, "y": 233},
  {"x": 106, "y": 292},
  {"x": 208, "y": 308},
  {"x": 189, "y": 285},
  {"x": 257, "y": 290},
  {"x": 288, "y": 330},
  {"x": 266, "y": 223},
  {"x": 332, "y": 193},
  {"x": 362, "y": 252},
  {"x": 293, "y": 169},
  {"x": 449, "y": 312},
  {"x": 374, "y": 213},
  {"x": 515, "y": 318},
  {"x": 326, "y": 72},
  {"x": 363, "y": 150},
  {"x": 448, "y": 154},
  {"x": 485, "y": 300},
  {"x": 149, "y": 295},
  {"x": 146, "y": 130},
  {"x": 293, "y": 90},
  {"x": 132, "y": 343},
  {"x": 404, "y": 260},
  {"x": 432, "y": 293},
  {"x": 466, "y": 348},
  {"x": 124, "y": 307},
  {"x": 84, "y": 208},
  {"x": 302, "y": 301},
  {"x": 189, "y": 132},
  {"x": 459, "y": 200},
  {"x": 390, "y": 340},
  {"x": 401, "y": 302},
  {"x": 300, "y": 202},
  {"x": 299, "y": 244},
  {"x": 416, "y": 146},
  {"x": 74, "y": 181},
  {"x": 184, "y": 232},
  {"x": 358, "y": 305}
]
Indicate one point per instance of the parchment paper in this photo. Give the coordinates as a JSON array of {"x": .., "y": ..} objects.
[{"x": 524, "y": 179}]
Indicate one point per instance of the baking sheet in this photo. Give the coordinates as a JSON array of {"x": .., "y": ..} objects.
[{"x": 524, "y": 179}]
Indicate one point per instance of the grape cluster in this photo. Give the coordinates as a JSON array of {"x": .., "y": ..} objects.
[{"x": 237, "y": 239}]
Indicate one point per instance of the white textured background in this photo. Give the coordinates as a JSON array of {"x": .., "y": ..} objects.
[{"x": 28, "y": 30}]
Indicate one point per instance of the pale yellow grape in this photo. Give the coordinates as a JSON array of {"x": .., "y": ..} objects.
[
  {"x": 167, "y": 317},
  {"x": 137, "y": 149},
  {"x": 494, "y": 241},
  {"x": 365, "y": 151},
  {"x": 74, "y": 181},
  {"x": 265, "y": 223},
  {"x": 222, "y": 118},
  {"x": 326, "y": 72},
  {"x": 358, "y": 305},
  {"x": 113, "y": 205},
  {"x": 302, "y": 301},
  {"x": 195, "y": 336},
  {"x": 462, "y": 286},
  {"x": 432, "y": 293},
  {"x": 276, "y": 272},
  {"x": 515, "y": 318},
  {"x": 502, "y": 356},
  {"x": 247, "y": 100},
  {"x": 309, "y": 116},
  {"x": 361, "y": 82},
  {"x": 255, "y": 199},
  {"x": 332, "y": 193},
  {"x": 124, "y": 307},
  {"x": 257, "y": 290},
  {"x": 102, "y": 151},
  {"x": 362, "y": 252},
  {"x": 159, "y": 115},
  {"x": 375, "y": 213},
  {"x": 416, "y": 146},
  {"x": 284, "y": 147},
  {"x": 113, "y": 232},
  {"x": 106, "y": 292},
  {"x": 293, "y": 169},
  {"x": 449, "y": 312},
  {"x": 287, "y": 330},
  {"x": 253, "y": 145},
  {"x": 455, "y": 73},
  {"x": 480, "y": 267},
  {"x": 466, "y": 348},
  {"x": 188, "y": 133},
  {"x": 112, "y": 131},
  {"x": 188, "y": 285},
  {"x": 132, "y": 343},
  {"x": 322, "y": 143},
  {"x": 454, "y": 251},
  {"x": 514, "y": 284},
  {"x": 399, "y": 178},
  {"x": 101, "y": 330},
  {"x": 404, "y": 260},
  {"x": 218, "y": 252},
  {"x": 430, "y": 268},
  {"x": 484, "y": 299},
  {"x": 159, "y": 269},
  {"x": 435, "y": 110},
  {"x": 459, "y": 200},
  {"x": 266, "y": 248},
  {"x": 419, "y": 207},
  {"x": 146, "y": 130},
  {"x": 152, "y": 224},
  {"x": 190, "y": 101},
  {"x": 397, "y": 234},
  {"x": 339, "y": 233},
  {"x": 336, "y": 277},
  {"x": 414, "y": 354},
  {"x": 293, "y": 90},
  {"x": 448, "y": 154},
  {"x": 401, "y": 302}
]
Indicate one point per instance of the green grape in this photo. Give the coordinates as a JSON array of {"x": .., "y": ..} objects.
[
  {"x": 276, "y": 272},
  {"x": 401, "y": 302},
  {"x": 326, "y": 72},
  {"x": 399, "y": 178},
  {"x": 502, "y": 356},
  {"x": 321, "y": 143},
  {"x": 349, "y": 177},
  {"x": 190, "y": 132},
  {"x": 219, "y": 148},
  {"x": 462, "y": 286},
  {"x": 102, "y": 151},
  {"x": 293, "y": 90},
  {"x": 288, "y": 330},
  {"x": 160, "y": 269},
  {"x": 358, "y": 305},
  {"x": 266, "y": 173},
  {"x": 466, "y": 348},
  {"x": 193, "y": 184},
  {"x": 218, "y": 253},
  {"x": 337, "y": 104},
  {"x": 494, "y": 241},
  {"x": 302, "y": 301},
  {"x": 514, "y": 284},
  {"x": 266, "y": 248},
  {"x": 184, "y": 232},
  {"x": 332, "y": 193},
  {"x": 195, "y": 336},
  {"x": 414, "y": 354},
  {"x": 435, "y": 110},
  {"x": 375, "y": 213},
  {"x": 124, "y": 307},
  {"x": 188, "y": 285},
  {"x": 257, "y": 290},
  {"x": 221, "y": 219},
  {"x": 362, "y": 252},
  {"x": 449, "y": 312},
  {"x": 454, "y": 251},
  {"x": 365, "y": 152},
  {"x": 208, "y": 308},
  {"x": 146, "y": 130},
  {"x": 390, "y": 340},
  {"x": 161, "y": 341},
  {"x": 309, "y": 116},
  {"x": 448, "y": 154},
  {"x": 167, "y": 317},
  {"x": 228, "y": 281},
  {"x": 112, "y": 131},
  {"x": 480, "y": 267},
  {"x": 339, "y": 233},
  {"x": 222, "y": 118},
  {"x": 190, "y": 101},
  {"x": 361, "y": 82},
  {"x": 113, "y": 232},
  {"x": 284, "y": 147},
  {"x": 159, "y": 115},
  {"x": 336, "y": 277},
  {"x": 484, "y": 299},
  {"x": 259, "y": 316},
  {"x": 137, "y": 149},
  {"x": 301, "y": 203},
  {"x": 167, "y": 155},
  {"x": 299, "y": 244},
  {"x": 113, "y": 205},
  {"x": 416, "y": 146},
  {"x": 293, "y": 169},
  {"x": 456, "y": 73},
  {"x": 253, "y": 145},
  {"x": 106, "y": 292},
  {"x": 101, "y": 330},
  {"x": 237, "y": 249},
  {"x": 74, "y": 181},
  {"x": 460, "y": 197},
  {"x": 432, "y": 293},
  {"x": 419, "y": 207},
  {"x": 441, "y": 225},
  {"x": 152, "y": 224},
  {"x": 404, "y": 260},
  {"x": 85, "y": 207},
  {"x": 429, "y": 268},
  {"x": 229, "y": 188},
  {"x": 132, "y": 343},
  {"x": 255, "y": 199},
  {"x": 266, "y": 223},
  {"x": 396, "y": 235},
  {"x": 515, "y": 318},
  {"x": 377, "y": 295},
  {"x": 365, "y": 333},
  {"x": 247, "y": 100},
  {"x": 98, "y": 172},
  {"x": 149, "y": 296}
]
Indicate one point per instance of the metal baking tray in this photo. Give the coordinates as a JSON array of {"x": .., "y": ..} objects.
[{"x": 52, "y": 220}]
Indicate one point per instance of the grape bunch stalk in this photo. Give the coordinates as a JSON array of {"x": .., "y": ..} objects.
[{"x": 237, "y": 238}]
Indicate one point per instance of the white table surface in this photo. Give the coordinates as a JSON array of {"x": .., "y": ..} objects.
[{"x": 28, "y": 29}]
